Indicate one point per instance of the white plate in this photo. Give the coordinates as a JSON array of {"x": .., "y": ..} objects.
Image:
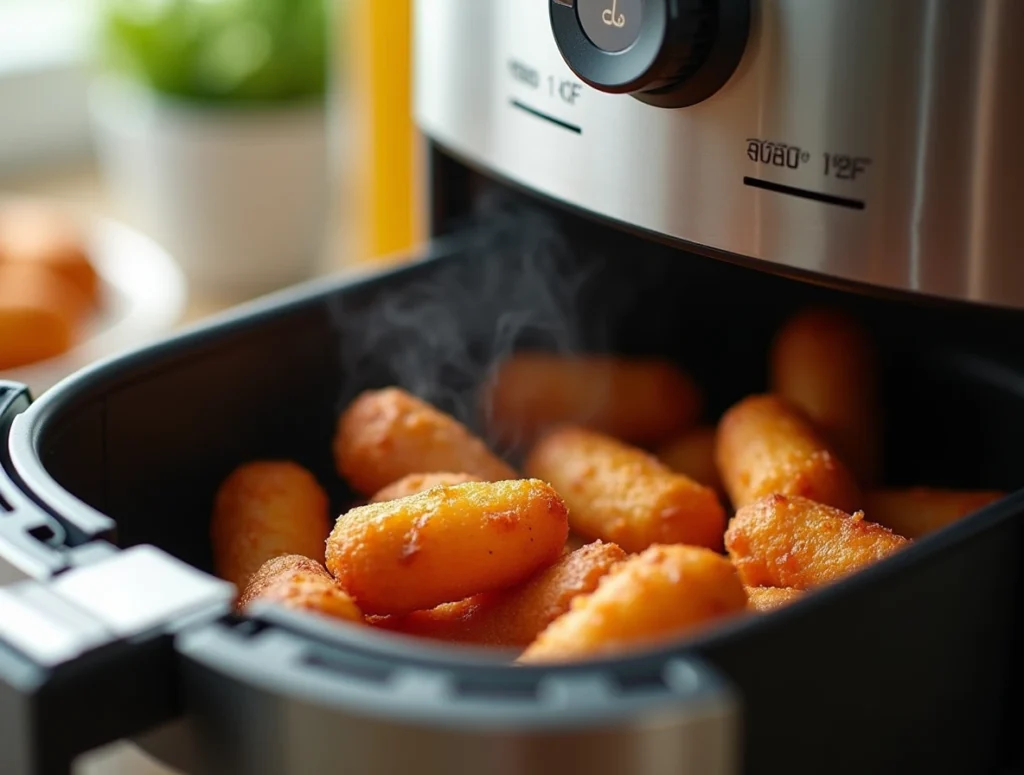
[{"x": 143, "y": 296}]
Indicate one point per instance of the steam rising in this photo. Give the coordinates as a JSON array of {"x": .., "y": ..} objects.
[{"x": 440, "y": 337}]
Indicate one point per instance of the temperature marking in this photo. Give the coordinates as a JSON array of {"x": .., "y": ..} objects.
[
  {"x": 803, "y": 193},
  {"x": 844, "y": 166},
  {"x": 545, "y": 117},
  {"x": 569, "y": 91},
  {"x": 776, "y": 154},
  {"x": 523, "y": 73}
]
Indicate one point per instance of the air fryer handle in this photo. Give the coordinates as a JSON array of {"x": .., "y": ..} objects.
[
  {"x": 86, "y": 632},
  {"x": 88, "y": 658}
]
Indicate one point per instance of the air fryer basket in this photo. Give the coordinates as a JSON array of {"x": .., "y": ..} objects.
[{"x": 911, "y": 665}]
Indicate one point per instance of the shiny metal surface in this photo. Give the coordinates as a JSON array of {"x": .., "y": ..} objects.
[
  {"x": 914, "y": 106},
  {"x": 303, "y": 715}
]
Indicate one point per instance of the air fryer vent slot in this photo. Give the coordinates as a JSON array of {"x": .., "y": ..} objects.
[
  {"x": 642, "y": 683},
  {"x": 42, "y": 533},
  {"x": 493, "y": 689},
  {"x": 349, "y": 666},
  {"x": 250, "y": 628},
  {"x": 4, "y": 505}
]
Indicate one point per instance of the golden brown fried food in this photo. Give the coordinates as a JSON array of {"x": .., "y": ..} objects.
[
  {"x": 301, "y": 583},
  {"x": 764, "y": 446},
  {"x": 42, "y": 236},
  {"x": 693, "y": 455},
  {"x": 446, "y": 544},
  {"x": 639, "y": 401},
  {"x": 765, "y": 599},
  {"x": 823, "y": 363},
  {"x": 387, "y": 434},
  {"x": 416, "y": 483},
  {"x": 39, "y": 315},
  {"x": 788, "y": 541},
  {"x": 515, "y": 617},
  {"x": 660, "y": 594},
  {"x": 263, "y": 510},
  {"x": 621, "y": 494},
  {"x": 917, "y": 511}
]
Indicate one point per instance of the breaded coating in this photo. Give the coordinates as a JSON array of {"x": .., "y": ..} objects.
[
  {"x": 38, "y": 236},
  {"x": 693, "y": 455},
  {"x": 39, "y": 315},
  {"x": 515, "y": 617},
  {"x": 621, "y": 494},
  {"x": 387, "y": 434},
  {"x": 446, "y": 544},
  {"x": 653, "y": 597},
  {"x": 765, "y": 599},
  {"x": 917, "y": 511},
  {"x": 824, "y": 363},
  {"x": 416, "y": 483},
  {"x": 301, "y": 583},
  {"x": 639, "y": 401},
  {"x": 263, "y": 510},
  {"x": 788, "y": 541},
  {"x": 764, "y": 446}
]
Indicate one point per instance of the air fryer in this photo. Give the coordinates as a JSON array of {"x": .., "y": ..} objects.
[{"x": 674, "y": 186}]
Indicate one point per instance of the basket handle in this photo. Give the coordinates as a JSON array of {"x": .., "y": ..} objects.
[{"x": 86, "y": 633}]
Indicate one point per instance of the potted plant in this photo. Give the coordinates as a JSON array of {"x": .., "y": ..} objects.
[{"x": 211, "y": 133}]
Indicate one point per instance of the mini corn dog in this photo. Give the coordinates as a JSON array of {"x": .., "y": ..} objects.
[
  {"x": 765, "y": 446},
  {"x": 416, "y": 483},
  {"x": 388, "y": 434},
  {"x": 765, "y": 599},
  {"x": 446, "y": 544},
  {"x": 621, "y": 494},
  {"x": 442, "y": 622},
  {"x": 657, "y": 595},
  {"x": 301, "y": 583},
  {"x": 514, "y": 618},
  {"x": 693, "y": 454},
  {"x": 823, "y": 363},
  {"x": 39, "y": 314},
  {"x": 264, "y": 510},
  {"x": 918, "y": 511},
  {"x": 639, "y": 401},
  {"x": 42, "y": 237},
  {"x": 788, "y": 541}
]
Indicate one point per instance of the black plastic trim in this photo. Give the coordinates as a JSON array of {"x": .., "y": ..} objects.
[
  {"x": 652, "y": 69},
  {"x": 621, "y": 72}
]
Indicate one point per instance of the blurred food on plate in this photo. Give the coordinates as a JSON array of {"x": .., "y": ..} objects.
[{"x": 49, "y": 286}]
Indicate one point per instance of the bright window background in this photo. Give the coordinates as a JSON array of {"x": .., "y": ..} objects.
[{"x": 44, "y": 53}]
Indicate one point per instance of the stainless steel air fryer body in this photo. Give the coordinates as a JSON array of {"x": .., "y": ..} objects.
[
  {"x": 865, "y": 141},
  {"x": 868, "y": 141}
]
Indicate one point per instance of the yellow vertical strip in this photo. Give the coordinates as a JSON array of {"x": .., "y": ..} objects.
[{"x": 384, "y": 190}]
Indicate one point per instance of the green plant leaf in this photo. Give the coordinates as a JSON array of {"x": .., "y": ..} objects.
[{"x": 220, "y": 50}]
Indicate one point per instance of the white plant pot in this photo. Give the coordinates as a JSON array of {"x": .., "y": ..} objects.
[{"x": 238, "y": 195}]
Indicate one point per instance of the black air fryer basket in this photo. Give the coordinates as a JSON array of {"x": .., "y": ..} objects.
[{"x": 909, "y": 666}]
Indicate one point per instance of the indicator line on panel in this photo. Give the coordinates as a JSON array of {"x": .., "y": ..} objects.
[
  {"x": 556, "y": 121},
  {"x": 817, "y": 196}
]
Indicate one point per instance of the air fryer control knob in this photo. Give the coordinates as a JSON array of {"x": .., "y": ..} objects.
[{"x": 668, "y": 53}]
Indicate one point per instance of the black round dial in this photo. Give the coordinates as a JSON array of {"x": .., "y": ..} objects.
[{"x": 669, "y": 53}]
